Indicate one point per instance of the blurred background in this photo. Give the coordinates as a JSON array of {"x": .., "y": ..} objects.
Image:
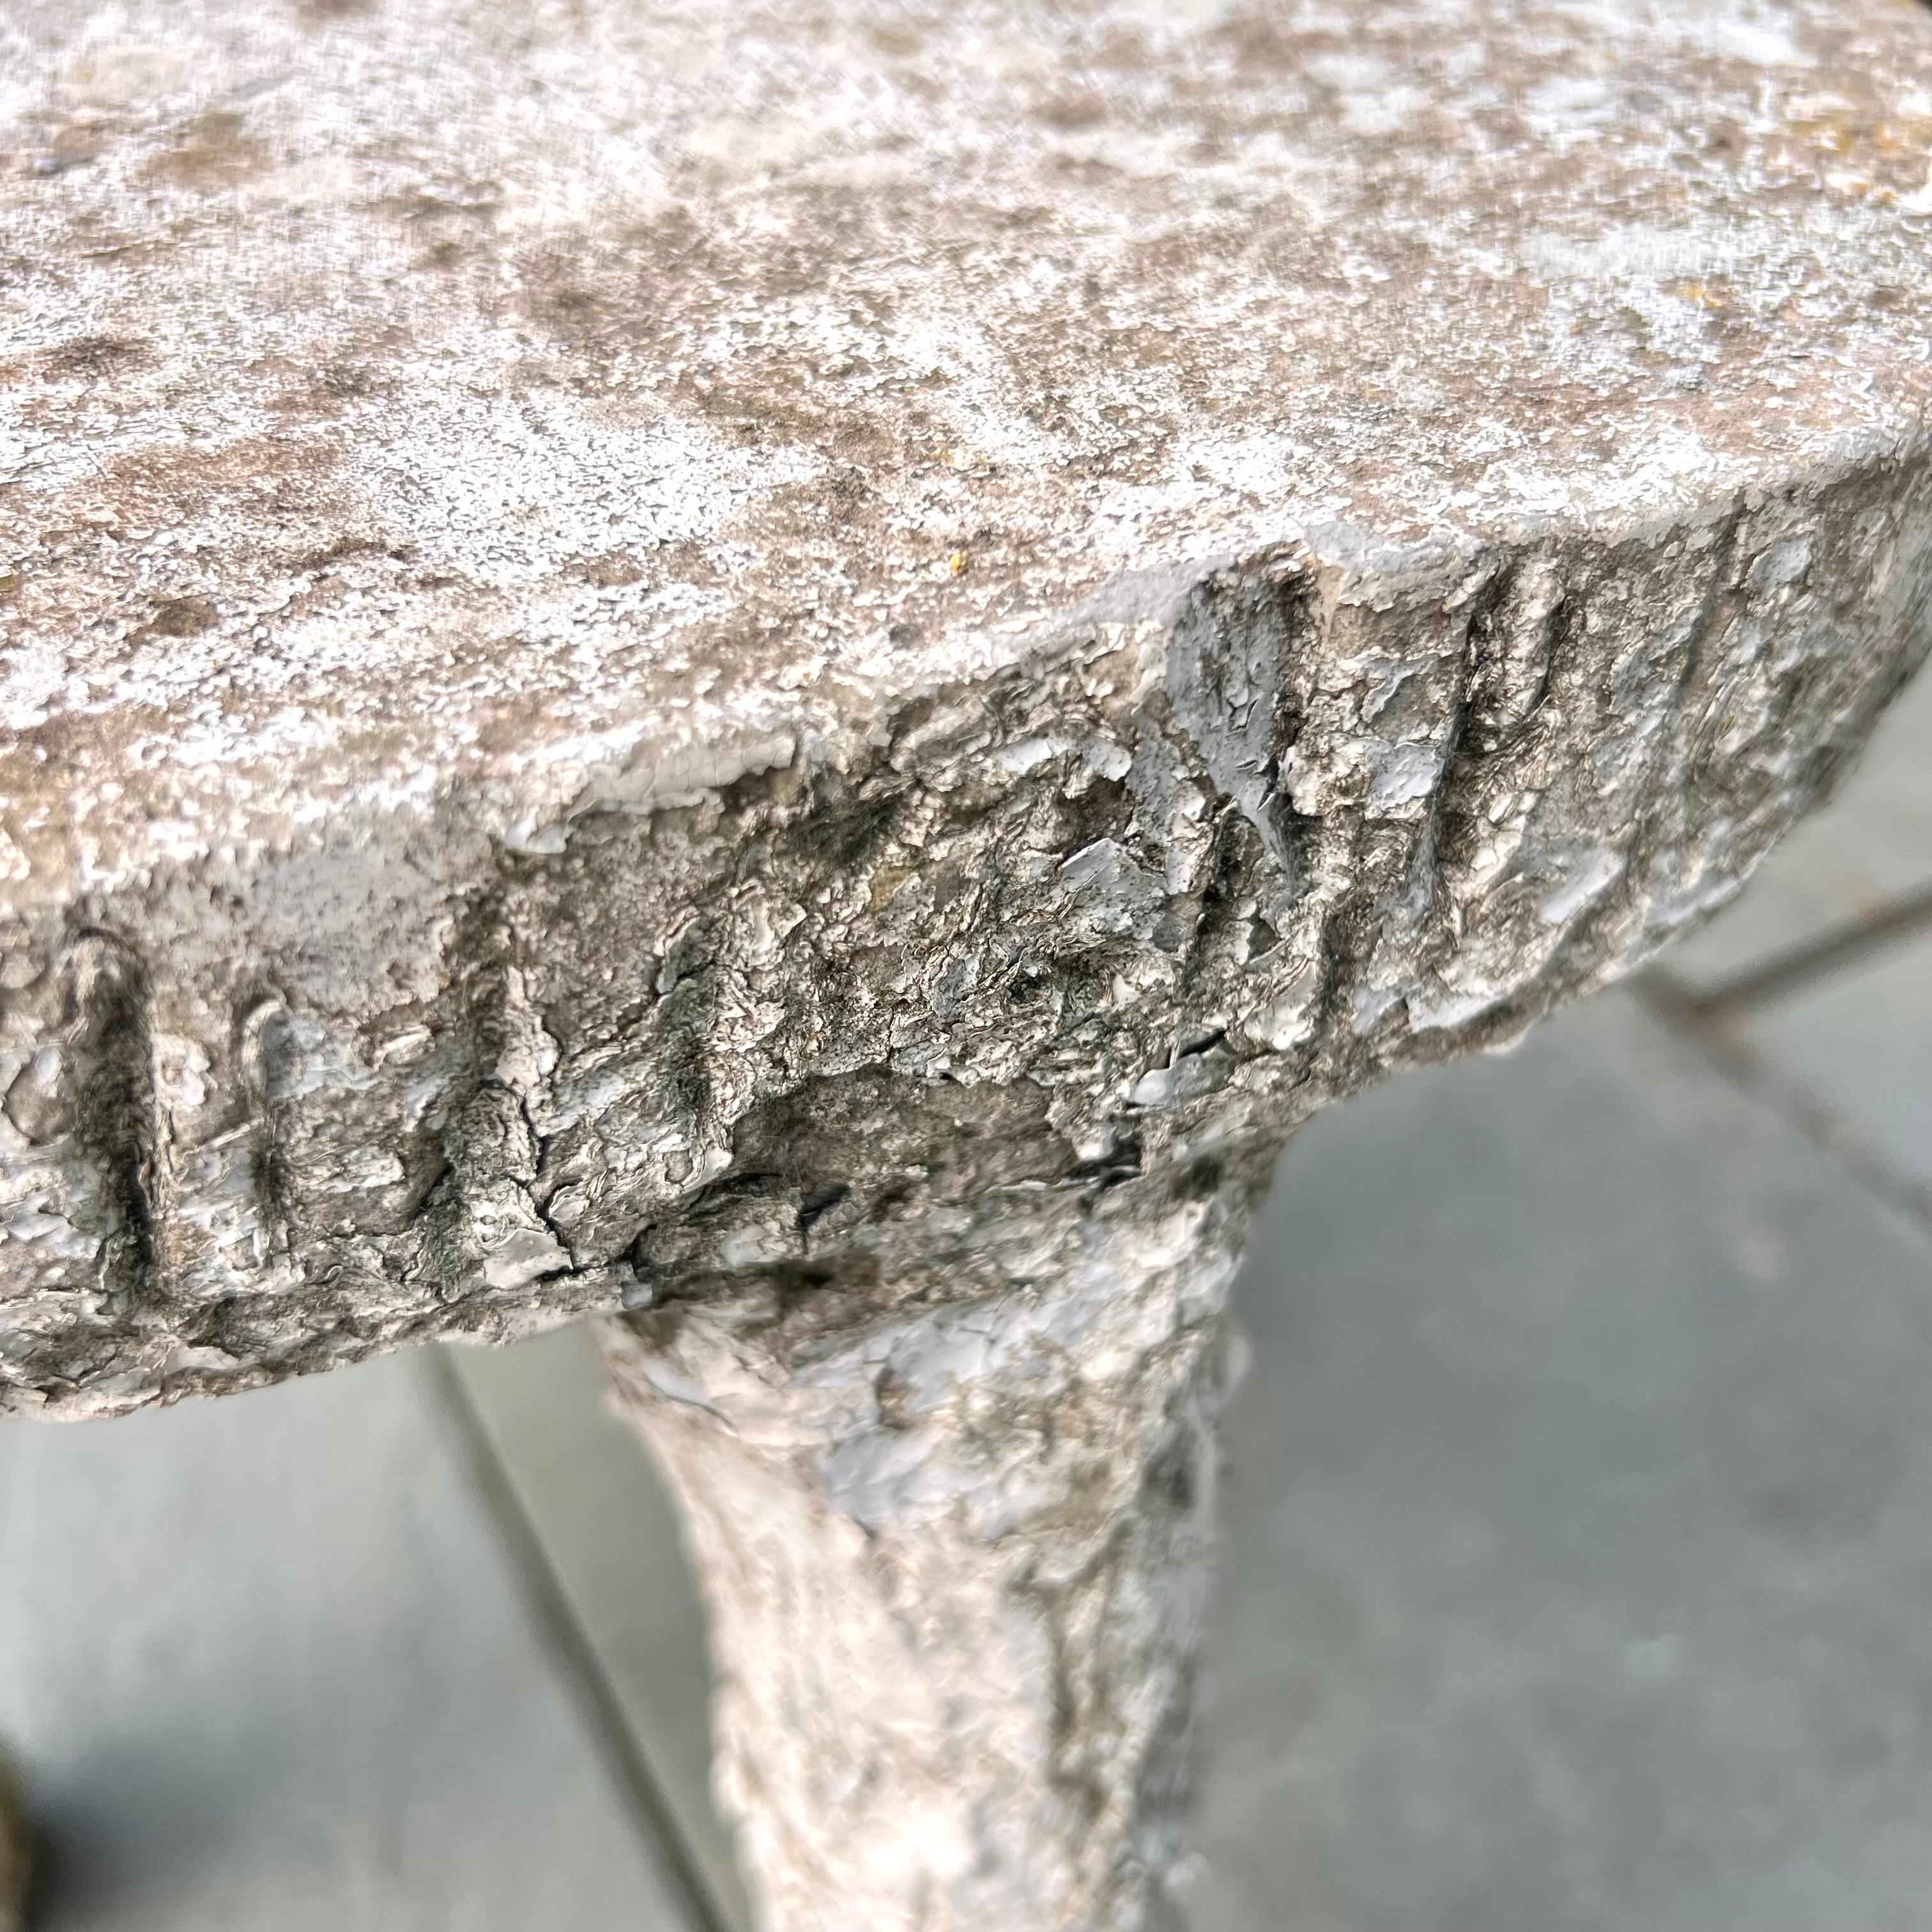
[{"x": 1578, "y": 1570}]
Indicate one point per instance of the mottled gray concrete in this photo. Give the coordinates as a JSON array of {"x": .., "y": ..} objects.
[
  {"x": 264, "y": 1666},
  {"x": 1577, "y": 1578},
  {"x": 1550, "y": 1603},
  {"x": 653, "y": 665},
  {"x": 596, "y": 595}
]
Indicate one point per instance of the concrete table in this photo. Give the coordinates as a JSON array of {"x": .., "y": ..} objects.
[{"x": 802, "y": 678}]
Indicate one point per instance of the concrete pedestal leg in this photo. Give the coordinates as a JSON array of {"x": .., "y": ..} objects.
[{"x": 956, "y": 1559}]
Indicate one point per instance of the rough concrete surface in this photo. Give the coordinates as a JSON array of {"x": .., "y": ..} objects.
[
  {"x": 811, "y": 674},
  {"x": 595, "y": 598}
]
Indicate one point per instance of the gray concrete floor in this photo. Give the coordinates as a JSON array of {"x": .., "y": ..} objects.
[
  {"x": 1579, "y": 1568},
  {"x": 264, "y": 1664}
]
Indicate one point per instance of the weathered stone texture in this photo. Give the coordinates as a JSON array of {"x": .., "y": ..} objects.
[
  {"x": 1137, "y": 901},
  {"x": 811, "y": 674},
  {"x": 957, "y": 1559},
  {"x": 658, "y": 656}
]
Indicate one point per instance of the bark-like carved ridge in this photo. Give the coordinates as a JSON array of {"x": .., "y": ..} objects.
[
  {"x": 108, "y": 1081},
  {"x": 1160, "y": 878}
]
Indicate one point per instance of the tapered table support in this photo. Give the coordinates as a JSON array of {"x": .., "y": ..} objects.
[{"x": 956, "y": 1557}]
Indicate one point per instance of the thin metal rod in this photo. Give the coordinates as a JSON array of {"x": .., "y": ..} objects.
[
  {"x": 1843, "y": 946},
  {"x": 1710, "y": 1027}
]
